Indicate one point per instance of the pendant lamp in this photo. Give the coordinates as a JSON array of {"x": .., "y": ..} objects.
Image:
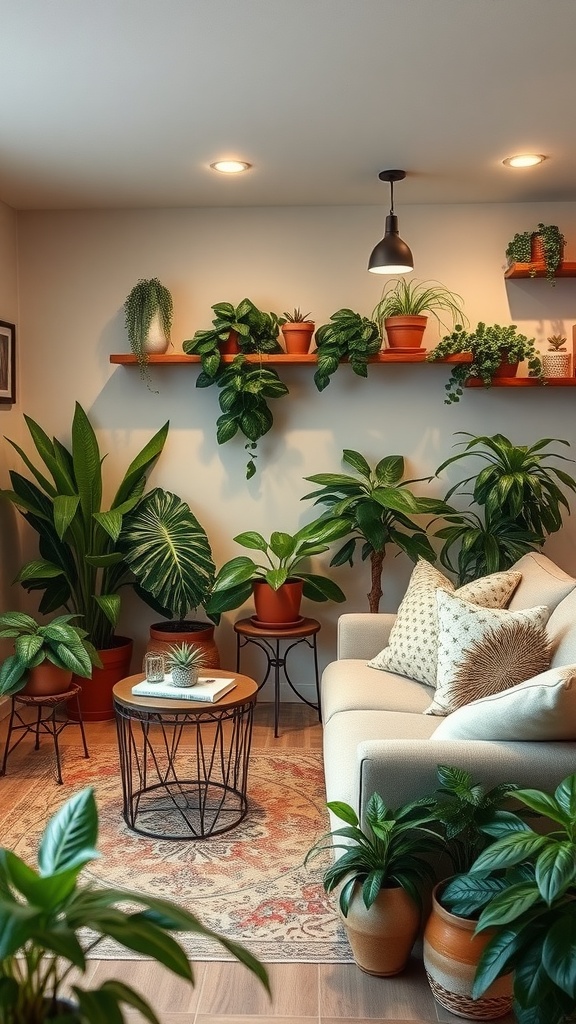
[{"x": 391, "y": 255}]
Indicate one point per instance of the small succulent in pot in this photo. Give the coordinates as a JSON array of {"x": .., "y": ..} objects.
[
  {"x": 184, "y": 661},
  {"x": 296, "y": 317},
  {"x": 557, "y": 343}
]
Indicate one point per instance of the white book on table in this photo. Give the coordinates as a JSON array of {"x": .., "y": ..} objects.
[{"x": 207, "y": 690}]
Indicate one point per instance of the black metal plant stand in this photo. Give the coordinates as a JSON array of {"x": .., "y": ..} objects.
[{"x": 43, "y": 723}]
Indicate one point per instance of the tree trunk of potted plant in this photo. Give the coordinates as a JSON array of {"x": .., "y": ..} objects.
[
  {"x": 277, "y": 607},
  {"x": 451, "y": 956},
  {"x": 382, "y": 937}
]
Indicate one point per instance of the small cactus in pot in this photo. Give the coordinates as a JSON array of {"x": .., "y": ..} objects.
[
  {"x": 556, "y": 361},
  {"x": 184, "y": 661}
]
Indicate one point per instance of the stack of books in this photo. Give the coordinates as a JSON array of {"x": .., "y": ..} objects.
[{"x": 206, "y": 689}]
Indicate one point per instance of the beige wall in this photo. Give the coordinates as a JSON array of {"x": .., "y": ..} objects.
[
  {"x": 10, "y": 418},
  {"x": 77, "y": 268}
]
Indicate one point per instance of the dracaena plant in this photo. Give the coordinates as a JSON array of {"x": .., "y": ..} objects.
[
  {"x": 379, "y": 509},
  {"x": 281, "y": 560},
  {"x": 520, "y": 493},
  {"x": 87, "y": 553},
  {"x": 390, "y": 851},
  {"x": 524, "y": 886},
  {"x": 50, "y": 920}
]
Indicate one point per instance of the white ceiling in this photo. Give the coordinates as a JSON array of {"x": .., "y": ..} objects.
[{"x": 124, "y": 103}]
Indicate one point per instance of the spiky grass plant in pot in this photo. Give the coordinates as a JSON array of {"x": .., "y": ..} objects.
[{"x": 297, "y": 329}]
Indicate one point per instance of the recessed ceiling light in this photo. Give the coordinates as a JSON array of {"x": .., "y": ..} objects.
[
  {"x": 230, "y": 166},
  {"x": 524, "y": 160}
]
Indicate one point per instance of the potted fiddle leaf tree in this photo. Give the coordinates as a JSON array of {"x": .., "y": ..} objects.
[
  {"x": 277, "y": 580},
  {"x": 378, "y": 508},
  {"x": 52, "y": 919}
]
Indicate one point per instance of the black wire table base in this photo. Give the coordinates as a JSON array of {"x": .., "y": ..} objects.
[{"x": 184, "y": 774}]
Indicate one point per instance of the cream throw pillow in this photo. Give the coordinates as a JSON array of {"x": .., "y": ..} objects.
[
  {"x": 541, "y": 708},
  {"x": 412, "y": 647},
  {"x": 485, "y": 650}
]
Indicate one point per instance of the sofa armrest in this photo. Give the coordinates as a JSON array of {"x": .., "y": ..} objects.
[
  {"x": 363, "y": 634},
  {"x": 404, "y": 770}
]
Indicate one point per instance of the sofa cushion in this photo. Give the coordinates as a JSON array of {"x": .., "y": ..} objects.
[
  {"x": 561, "y": 630},
  {"x": 485, "y": 650},
  {"x": 412, "y": 648},
  {"x": 350, "y": 685},
  {"x": 541, "y": 708},
  {"x": 543, "y": 582}
]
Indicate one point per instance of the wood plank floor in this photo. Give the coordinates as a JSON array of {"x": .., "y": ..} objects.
[{"x": 225, "y": 993}]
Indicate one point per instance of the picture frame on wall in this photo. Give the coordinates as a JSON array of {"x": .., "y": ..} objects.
[{"x": 7, "y": 362}]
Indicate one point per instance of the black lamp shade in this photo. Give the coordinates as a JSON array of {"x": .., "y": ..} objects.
[{"x": 391, "y": 255}]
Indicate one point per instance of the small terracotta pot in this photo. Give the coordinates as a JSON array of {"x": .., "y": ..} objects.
[
  {"x": 451, "y": 956},
  {"x": 297, "y": 337},
  {"x": 277, "y": 607},
  {"x": 163, "y": 636},
  {"x": 405, "y": 331},
  {"x": 47, "y": 679},
  {"x": 96, "y": 699},
  {"x": 506, "y": 369},
  {"x": 230, "y": 346},
  {"x": 382, "y": 937}
]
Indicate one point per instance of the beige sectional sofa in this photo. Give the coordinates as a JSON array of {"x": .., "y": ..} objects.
[{"x": 377, "y": 739}]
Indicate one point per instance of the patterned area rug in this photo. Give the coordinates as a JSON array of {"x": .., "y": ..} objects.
[{"x": 249, "y": 884}]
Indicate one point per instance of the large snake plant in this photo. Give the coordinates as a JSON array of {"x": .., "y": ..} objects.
[{"x": 150, "y": 541}]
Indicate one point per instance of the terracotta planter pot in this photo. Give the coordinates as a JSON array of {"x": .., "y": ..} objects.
[
  {"x": 96, "y": 701},
  {"x": 451, "y": 955},
  {"x": 47, "y": 679},
  {"x": 277, "y": 607},
  {"x": 506, "y": 369},
  {"x": 405, "y": 331},
  {"x": 163, "y": 635},
  {"x": 297, "y": 337},
  {"x": 382, "y": 937},
  {"x": 230, "y": 346}
]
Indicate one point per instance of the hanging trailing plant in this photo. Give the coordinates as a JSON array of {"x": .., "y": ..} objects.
[
  {"x": 147, "y": 299},
  {"x": 519, "y": 250},
  {"x": 489, "y": 345}
]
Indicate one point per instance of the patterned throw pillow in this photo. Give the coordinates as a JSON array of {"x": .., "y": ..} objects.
[
  {"x": 485, "y": 650},
  {"x": 412, "y": 647}
]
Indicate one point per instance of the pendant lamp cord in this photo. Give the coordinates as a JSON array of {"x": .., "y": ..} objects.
[{"x": 391, "y": 198}]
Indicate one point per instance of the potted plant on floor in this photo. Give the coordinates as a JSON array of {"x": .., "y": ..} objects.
[
  {"x": 45, "y": 657},
  {"x": 347, "y": 336},
  {"x": 148, "y": 319},
  {"x": 496, "y": 352},
  {"x": 242, "y": 328},
  {"x": 297, "y": 330},
  {"x": 401, "y": 312},
  {"x": 51, "y": 921},
  {"x": 381, "y": 870},
  {"x": 378, "y": 507},
  {"x": 277, "y": 581},
  {"x": 545, "y": 245},
  {"x": 471, "y": 816},
  {"x": 523, "y": 887},
  {"x": 150, "y": 541},
  {"x": 521, "y": 500}
]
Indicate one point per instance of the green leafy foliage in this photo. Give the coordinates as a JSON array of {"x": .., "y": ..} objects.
[
  {"x": 489, "y": 345},
  {"x": 347, "y": 336},
  {"x": 405, "y": 297},
  {"x": 85, "y": 555},
  {"x": 282, "y": 558},
  {"x": 519, "y": 250},
  {"x": 390, "y": 851},
  {"x": 296, "y": 317},
  {"x": 522, "y": 499},
  {"x": 58, "y": 642},
  {"x": 532, "y": 908},
  {"x": 45, "y": 912},
  {"x": 256, "y": 330},
  {"x": 147, "y": 298},
  {"x": 379, "y": 508},
  {"x": 185, "y": 656}
]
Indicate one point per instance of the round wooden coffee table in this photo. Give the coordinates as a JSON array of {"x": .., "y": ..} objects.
[{"x": 184, "y": 764}]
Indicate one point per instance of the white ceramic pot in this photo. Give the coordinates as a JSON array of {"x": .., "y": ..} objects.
[{"x": 156, "y": 342}]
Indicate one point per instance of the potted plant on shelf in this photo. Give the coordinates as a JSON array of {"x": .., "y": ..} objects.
[
  {"x": 150, "y": 541},
  {"x": 556, "y": 361},
  {"x": 148, "y": 320},
  {"x": 523, "y": 887},
  {"x": 378, "y": 507},
  {"x": 381, "y": 870},
  {"x": 51, "y": 920},
  {"x": 242, "y": 328},
  {"x": 471, "y": 816},
  {"x": 347, "y": 336},
  {"x": 520, "y": 497},
  {"x": 543, "y": 246},
  {"x": 45, "y": 657},
  {"x": 277, "y": 582},
  {"x": 297, "y": 330},
  {"x": 401, "y": 312},
  {"x": 496, "y": 352},
  {"x": 184, "y": 661}
]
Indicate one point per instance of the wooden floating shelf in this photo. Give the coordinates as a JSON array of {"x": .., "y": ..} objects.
[
  {"x": 523, "y": 270},
  {"x": 525, "y": 382},
  {"x": 385, "y": 356}
]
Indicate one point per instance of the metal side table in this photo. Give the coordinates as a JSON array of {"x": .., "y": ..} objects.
[{"x": 269, "y": 640}]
